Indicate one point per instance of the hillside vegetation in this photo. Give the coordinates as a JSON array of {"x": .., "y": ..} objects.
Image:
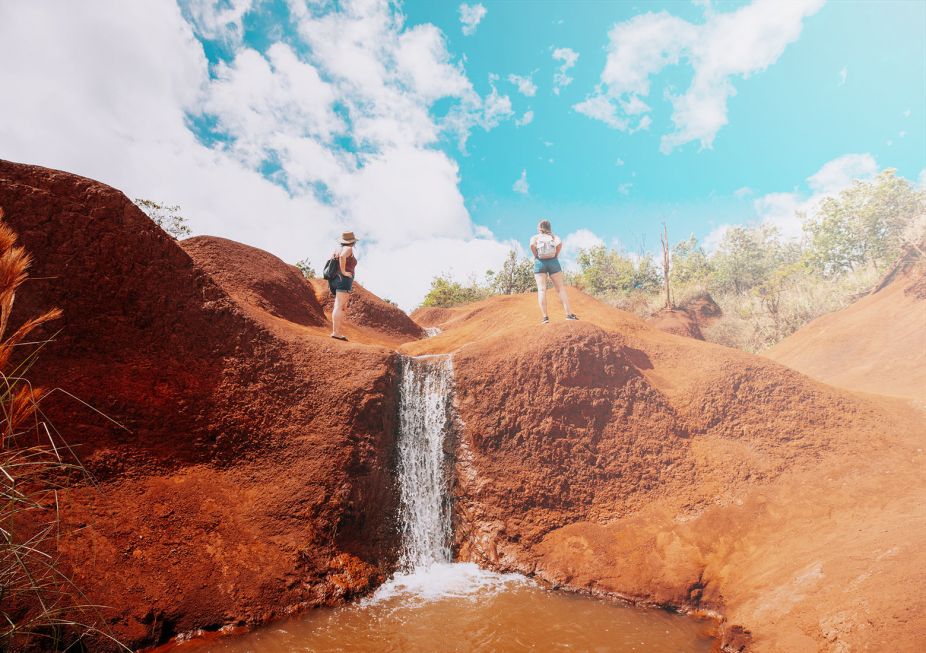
[{"x": 768, "y": 286}]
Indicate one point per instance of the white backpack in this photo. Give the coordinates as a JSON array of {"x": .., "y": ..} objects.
[{"x": 546, "y": 246}]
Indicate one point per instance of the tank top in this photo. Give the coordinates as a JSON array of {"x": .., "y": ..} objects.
[{"x": 351, "y": 265}]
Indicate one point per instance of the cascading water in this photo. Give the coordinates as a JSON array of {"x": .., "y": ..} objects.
[
  {"x": 434, "y": 604},
  {"x": 424, "y": 418}
]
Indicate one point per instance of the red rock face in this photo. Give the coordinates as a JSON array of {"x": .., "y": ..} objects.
[
  {"x": 252, "y": 473},
  {"x": 371, "y": 317},
  {"x": 608, "y": 457}
]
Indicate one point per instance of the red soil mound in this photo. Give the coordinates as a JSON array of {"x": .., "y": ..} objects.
[
  {"x": 688, "y": 318},
  {"x": 252, "y": 476},
  {"x": 610, "y": 457},
  {"x": 677, "y": 321},
  {"x": 371, "y": 317},
  {"x": 257, "y": 279},
  {"x": 432, "y": 316},
  {"x": 878, "y": 344}
]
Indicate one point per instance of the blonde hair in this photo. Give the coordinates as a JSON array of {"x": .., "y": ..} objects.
[{"x": 545, "y": 227}]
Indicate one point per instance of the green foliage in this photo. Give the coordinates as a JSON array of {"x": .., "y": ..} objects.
[
  {"x": 445, "y": 292},
  {"x": 166, "y": 217},
  {"x": 690, "y": 264},
  {"x": 516, "y": 276},
  {"x": 604, "y": 271},
  {"x": 306, "y": 269},
  {"x": 866, "y": 224},
  {"x": 747, "y": 256}
]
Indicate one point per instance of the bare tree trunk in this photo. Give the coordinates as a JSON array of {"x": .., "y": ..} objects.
[{"x": 664, "y": 237}]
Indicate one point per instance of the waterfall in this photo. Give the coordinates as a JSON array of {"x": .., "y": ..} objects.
[
  {"x": 426, "y": 570},
  {"x": 424, "y": 418}
]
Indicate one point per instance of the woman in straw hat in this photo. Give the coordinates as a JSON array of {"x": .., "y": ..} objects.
[{"x": 341, "y": 285}]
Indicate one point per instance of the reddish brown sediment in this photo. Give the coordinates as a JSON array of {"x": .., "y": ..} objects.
[
  {"x": 254, "y": 468},
  {"x": 608, "y": 456},
  {"x": 877, "y": 344},
  {"x": 370, "y": 318},
  {"x": 688, "y": 318},
  {"x": 604, "y": 455}
]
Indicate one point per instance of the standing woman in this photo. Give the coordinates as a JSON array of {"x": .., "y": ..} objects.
[
  {"x": 545, "y": 247},
  {"x": 342, "y": 284}
]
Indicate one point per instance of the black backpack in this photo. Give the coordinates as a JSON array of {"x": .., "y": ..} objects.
[{"x": 332, "y": 268}]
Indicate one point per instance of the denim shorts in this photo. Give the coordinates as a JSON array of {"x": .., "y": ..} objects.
[
  {"x": 341, "y": 283},
  {"x": 548, "y": 265}
]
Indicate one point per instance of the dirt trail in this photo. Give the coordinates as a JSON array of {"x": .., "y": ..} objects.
[{"x": 877, "y": 344}]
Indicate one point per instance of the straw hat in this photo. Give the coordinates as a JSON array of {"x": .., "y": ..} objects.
[{"x": 348, "y": 238}]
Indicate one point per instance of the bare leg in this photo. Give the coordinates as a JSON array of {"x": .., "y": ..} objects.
[
  {"x": 341, "y": 300},
  {"x": 557, "y": 278},
  {"x": 542, "y": 291}
]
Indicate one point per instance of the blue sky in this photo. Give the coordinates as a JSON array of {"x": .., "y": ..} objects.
[
  {"x": 784, "y": 123},
  {"x": 280, "y": 123}
]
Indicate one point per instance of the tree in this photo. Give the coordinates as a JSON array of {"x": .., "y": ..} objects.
[
  {"x": 664, "y": 239},
  {"x": 166, "y": 217},
  {"x": 445, "y": 292},
  {"x": 306, "y": 269},
  {"x": 690, "y": 264},
  {"x": 866, "y": 224},
  {"x": 516, "y": 276},
  {"x": 747, "y": 256},
  {"x": 606, "y": 271}
]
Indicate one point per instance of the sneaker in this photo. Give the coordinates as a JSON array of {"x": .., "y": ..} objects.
[
  {"x": 545, "y": 320},
  {"x": 344, "y": 338},
  {"x": 572, "y": 316}
]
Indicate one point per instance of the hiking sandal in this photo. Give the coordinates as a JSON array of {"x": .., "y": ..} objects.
[
  {"x": 545, "y": 320},
  {"x": 572, "y": 316},
  {"x": 344, "y": 338}
]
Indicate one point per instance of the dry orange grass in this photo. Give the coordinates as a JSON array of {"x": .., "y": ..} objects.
[{"x": 36, "y": 598}]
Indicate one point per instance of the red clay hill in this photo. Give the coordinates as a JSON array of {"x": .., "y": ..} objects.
[
  {"x": 610, "y": 457},
  {"x": 252, "y": 476},
  {"x": 604, "y": 456},
  {"x": 877, "y": 344}
]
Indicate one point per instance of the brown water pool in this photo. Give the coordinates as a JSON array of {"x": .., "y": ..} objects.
[{"x": 459, "y": 607}]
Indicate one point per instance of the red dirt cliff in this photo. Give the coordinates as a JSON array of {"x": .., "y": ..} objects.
[
  {"x": 609, "y": 457},
  {"x": 252, "y": 476},
  {"x": 877, "y": 344}
]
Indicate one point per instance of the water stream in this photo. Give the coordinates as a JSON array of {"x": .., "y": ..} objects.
[{"x": 433, "y": 605}]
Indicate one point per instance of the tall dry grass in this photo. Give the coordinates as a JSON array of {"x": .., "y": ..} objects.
[{"x": 39, "y": 605}]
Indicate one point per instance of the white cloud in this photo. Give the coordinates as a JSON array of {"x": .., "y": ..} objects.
[
  {"x": 136, "y": 76},
  {"x": 839, "y": 173},
  {"x": 526, "y": 119},
  {"x": 471, "y": 16},
  {"x": 520, "y": 184},
  {"x": 600, "y": 108},
  {"x": 781, "y": 209},
  {"x": 743, "y": 192},
  {"x": 842, "y": 75},
  {"x": 577, "y": 240},
  {"x": 921, "y": 180},
  {"x": 624, "y": 189},
  {"x": 569, "y": 57},
  {"x": 724, "y": 47},
  {"x": 619, "y": 162},
  {"x": 907, "y": 113},
  {"x": 217, "y": 20},
  {"x": 526, "y": 85}
]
